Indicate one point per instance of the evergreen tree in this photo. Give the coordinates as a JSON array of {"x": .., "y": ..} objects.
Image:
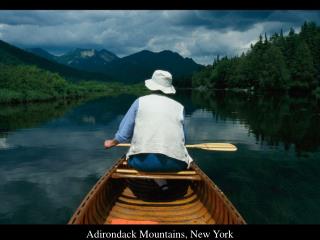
[
  {"x": 275, "y": 74},
  {"x": 302, "y": 68},
  {"x": 310, "y": 33}
]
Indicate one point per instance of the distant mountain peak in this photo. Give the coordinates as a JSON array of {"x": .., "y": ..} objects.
[
  {"x": 171, "y": 53},
  {"x": 88, "y": 53},
  {"x": 168, "y": 51},
  {"x": 81, "y": 51},
  {"x": 107, "y": 55},
  {"x": 88, "y": 59},
  {"x": 163, "y": 52},
  {"x": 141, "y": 52}
]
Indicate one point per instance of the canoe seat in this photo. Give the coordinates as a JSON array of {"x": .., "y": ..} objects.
[{"x": 132, "y": 173}]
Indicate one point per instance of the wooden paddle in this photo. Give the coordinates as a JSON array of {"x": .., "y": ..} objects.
[{"x": 205, "y": 146}]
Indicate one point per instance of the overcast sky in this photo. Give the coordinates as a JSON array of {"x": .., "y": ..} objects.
[{"x": 200, "y": 35}]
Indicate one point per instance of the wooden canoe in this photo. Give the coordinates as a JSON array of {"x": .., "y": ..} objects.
[{"x": 118, "y": 198}]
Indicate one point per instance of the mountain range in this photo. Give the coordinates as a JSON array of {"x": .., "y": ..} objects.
[
  {"x": 103, "y": 65},
  {"x": 130, "y": 69}
]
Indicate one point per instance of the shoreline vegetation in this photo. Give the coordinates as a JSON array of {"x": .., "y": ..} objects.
[
  {"x": 16, "y": 116},
  {"x": 280, "y": 63},
  {"x": 314, "y": 93},
  {"x": 27, "y": 83}
]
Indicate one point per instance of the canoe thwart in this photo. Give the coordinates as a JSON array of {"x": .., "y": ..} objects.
[
  {"x": 133, "y": 171},
  {"x": 204, "y": 146},
  {"x": 194, "y": 177}
]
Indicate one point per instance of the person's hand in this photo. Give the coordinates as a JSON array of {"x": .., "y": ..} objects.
[{"x": 110, "y": 143}]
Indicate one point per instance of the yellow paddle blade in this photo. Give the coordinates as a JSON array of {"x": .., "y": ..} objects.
[
  {"x": 205, "y": 146},
  {"x": 214, "y": 146}
]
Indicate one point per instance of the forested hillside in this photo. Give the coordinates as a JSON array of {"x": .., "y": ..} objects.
[
  {"x": 279, "y": 62},
  {"x": 26, "y": 83}
]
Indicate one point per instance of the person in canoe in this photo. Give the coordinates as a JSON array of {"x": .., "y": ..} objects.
[{"x": 155, "y": 125}]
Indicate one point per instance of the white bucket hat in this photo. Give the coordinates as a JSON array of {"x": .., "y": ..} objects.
[{"x": 161, "y": 80}]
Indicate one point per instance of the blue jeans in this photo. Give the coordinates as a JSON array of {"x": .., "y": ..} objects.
[{"x": 151, "y": 162}]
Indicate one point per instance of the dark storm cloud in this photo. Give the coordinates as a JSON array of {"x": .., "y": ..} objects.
[
  {"x": 240, "y": 20},
  {"x": 49, "y": 17},
  {"x": 197, "y": 34},
  {"x": 220, "y": 20}
]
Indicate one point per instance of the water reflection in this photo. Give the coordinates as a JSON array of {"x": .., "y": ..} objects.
[
  {"x": 51, "y": 154},
  {"x": 13, "y": 117},
  {"x": 272, "y": 119}
]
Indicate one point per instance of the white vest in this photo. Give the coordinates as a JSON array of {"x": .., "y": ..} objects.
[{"x": 159, "y": 129}]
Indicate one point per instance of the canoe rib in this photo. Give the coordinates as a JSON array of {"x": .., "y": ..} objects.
[{"x": 111, "y": 199}]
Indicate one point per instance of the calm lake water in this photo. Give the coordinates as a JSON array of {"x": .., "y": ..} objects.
[{"x": 51, "y": 154}]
